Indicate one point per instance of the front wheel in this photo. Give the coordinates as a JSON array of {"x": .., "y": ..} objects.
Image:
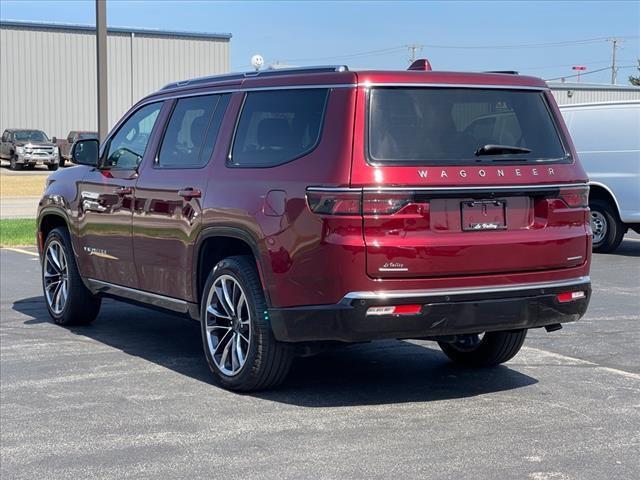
[
  {"x": 68, "y": 301},
  {"x": 492, "y": 349},
  {"x": 61, "y": 162},
  {"x": 238, "y": 342},
  {"x": 53, "y": 166},
  {"x": 13, "y": 163}
]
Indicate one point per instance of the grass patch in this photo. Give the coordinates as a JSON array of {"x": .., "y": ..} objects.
[
  {"x": 21, "y": 185},
  {"x": 17, "y": 232}
]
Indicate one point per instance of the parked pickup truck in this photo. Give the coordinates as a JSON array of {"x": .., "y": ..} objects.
[
  {"x": 28, "y": 148},
  {"x": 66, "y": 144}
]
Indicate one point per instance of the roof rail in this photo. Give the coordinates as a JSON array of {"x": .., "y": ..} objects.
[
  {"x": 506, "y": 72},
  {"x": 274, "y": 72}
]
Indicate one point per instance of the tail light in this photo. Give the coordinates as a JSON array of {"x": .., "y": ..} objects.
[
  {"x": 358, "y": 203},
  {"x": 575, "y": 197},
  {"x": 395, "y": 310},
  {"x": 376, "y": 203},
  {"x": 567, "y": 297},
  {"x": 335, "y": 203}
]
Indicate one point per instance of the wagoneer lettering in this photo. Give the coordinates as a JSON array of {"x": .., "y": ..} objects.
[{"x": 306, "y": 207}]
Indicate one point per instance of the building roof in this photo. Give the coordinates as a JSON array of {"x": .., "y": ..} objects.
[
  {"x": 591, "y": 86},
  {"x": 92, "y": 28}
]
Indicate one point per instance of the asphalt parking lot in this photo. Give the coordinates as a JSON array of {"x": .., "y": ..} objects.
[{"x": 130, "y": 397}]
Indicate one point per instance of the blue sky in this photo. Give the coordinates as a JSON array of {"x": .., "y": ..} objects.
[{"x": 311, "y": 32}]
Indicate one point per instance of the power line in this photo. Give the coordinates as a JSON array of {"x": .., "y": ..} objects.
[
  {"x": 350, "y": 55},
  {"x": 533, "y": 45},
  {"x": 587, "y": 73},
  {"x": 414, "y": 48}
]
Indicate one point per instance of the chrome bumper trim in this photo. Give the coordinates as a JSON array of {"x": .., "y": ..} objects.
[{"x": 438, "y": 292}]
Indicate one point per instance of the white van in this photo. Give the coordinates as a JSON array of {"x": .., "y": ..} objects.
[{"x": 607, "y": 138}]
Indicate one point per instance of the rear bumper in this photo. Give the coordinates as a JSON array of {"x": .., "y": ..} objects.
[{"x": 444, "y": 312}]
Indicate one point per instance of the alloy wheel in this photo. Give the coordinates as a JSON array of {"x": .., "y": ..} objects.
[
  {"x": 598, "y": 226},
  {"x": 56, "y": 277},
  {"x": 228, "y": 325}
]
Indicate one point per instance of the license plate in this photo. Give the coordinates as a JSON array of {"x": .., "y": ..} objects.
[{"x": 483, "y": 215}]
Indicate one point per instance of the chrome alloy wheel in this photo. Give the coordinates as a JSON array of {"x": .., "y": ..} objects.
[
  {"x": 228, "y": 325},
  {"x": 598, "y": 226},
  {"x": 56, "y": 277}
]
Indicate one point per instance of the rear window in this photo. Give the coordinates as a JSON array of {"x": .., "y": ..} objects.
[
  {"x": 276, "y": 127},
  {"x": 449, "y": 125}
]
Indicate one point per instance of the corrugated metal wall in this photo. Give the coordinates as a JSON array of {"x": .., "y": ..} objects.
[
  {"x": 568, "y": 96},
  {"x": 48, "y": 76}
]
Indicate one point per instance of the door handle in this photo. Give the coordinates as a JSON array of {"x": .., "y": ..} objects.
[
  {"x": 124, "y": 191},
  {"x": 189, "y": 193}
]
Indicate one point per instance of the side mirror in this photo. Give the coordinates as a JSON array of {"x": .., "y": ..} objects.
[
  {"x": 54, "y": 140},
  {"x": 86, "y": 152}
]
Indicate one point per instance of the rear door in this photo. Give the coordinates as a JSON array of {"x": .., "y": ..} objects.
[
  {"x": 463, "y": 181},
  {"x": 169, "y": 192}
]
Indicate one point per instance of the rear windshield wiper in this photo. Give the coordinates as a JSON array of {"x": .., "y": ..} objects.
[{"x": 490, "y": 149}]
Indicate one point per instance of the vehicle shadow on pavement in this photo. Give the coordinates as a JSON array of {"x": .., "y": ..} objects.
[
  {"x": 382, "y": 372},
  {"x": 630, "y": 247}
]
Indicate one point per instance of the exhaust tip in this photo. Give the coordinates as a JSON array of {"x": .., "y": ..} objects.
[{"x": 553, "y": 328}]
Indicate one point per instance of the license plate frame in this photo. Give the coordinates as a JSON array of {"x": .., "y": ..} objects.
[{"x": 483, "y": 215}]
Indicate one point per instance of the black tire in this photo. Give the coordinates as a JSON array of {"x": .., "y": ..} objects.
[
  {"x": 53, "y": 167},
  {"x": 607, "y": 218},
  {"x": 13, "y": 163},
  {"x": 61, "y": 162},
  {"x": 267, "y": 360},
  {"x": 493, "y": 349},
  {"x": 81, "y": 306}
]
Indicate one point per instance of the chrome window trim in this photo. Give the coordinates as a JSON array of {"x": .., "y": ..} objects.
[
  {"x": 210, "y": 90},
  {"x": 452, "y": 85},
  {"x": 488, "y": 188},
  {"x": 438, "y": 292}
]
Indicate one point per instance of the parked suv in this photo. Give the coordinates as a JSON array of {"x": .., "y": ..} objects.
[
  {"x": 28, "y": 148},
  {"x": 612, "y": 160},
  {"x": 290, "y": 210},
  {"x": 65, "y": 144}
]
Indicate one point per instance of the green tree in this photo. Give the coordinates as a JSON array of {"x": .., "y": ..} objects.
[{"x": 635, "y": 80}]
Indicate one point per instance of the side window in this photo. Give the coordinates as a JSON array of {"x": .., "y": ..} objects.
[
  {"x": 276, "y": 127},
  {"x": 4, "y": 136},
  {"x": 191, "y": 132},
  {"x": 127, "y": 146}
]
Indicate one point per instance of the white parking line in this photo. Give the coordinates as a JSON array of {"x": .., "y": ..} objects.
[
  {"x": 20, "y": 250},
  {"x": 616, "y": 371}
]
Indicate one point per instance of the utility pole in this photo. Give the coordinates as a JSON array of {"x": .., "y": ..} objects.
[
  {"x": 101, "y": 62},
  {"x": 614, "y": 70},
  {"x": 413, "y": 49}
]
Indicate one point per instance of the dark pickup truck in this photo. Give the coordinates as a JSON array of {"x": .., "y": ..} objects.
[
  {"x": 65, "y": 145},
  {"x": 28, "y": 148}
]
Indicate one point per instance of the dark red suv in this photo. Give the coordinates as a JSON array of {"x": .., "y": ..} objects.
[{"x": 287, "y": 210}]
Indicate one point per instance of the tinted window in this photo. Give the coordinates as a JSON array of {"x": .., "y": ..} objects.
[
  {"x": 276, "y": 127},
  {"x": 127, "y": 146},
  {"x": 423, "y": 125},
  {"x": 190, "y": 135}
]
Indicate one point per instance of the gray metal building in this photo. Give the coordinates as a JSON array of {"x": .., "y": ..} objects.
[
  {"x": 572, "y": 93},
  {"x": 48, "y": 71}
]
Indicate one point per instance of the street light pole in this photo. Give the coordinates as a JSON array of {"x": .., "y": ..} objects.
[{"x": 101, "y": 61}]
